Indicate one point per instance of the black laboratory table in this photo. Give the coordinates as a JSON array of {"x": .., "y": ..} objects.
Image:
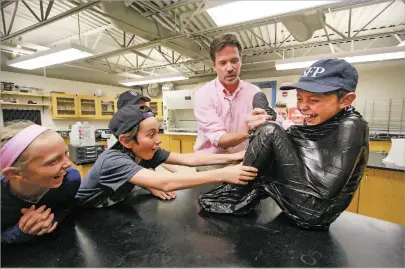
[{"x": 145, "y": 232}]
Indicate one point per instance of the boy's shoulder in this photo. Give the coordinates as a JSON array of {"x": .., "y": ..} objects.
[{"x": 354, "y": 120}]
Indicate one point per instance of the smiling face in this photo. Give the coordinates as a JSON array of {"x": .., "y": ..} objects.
[
  {"x": 148, "y": 139},
  {"x": 227, "y": 65},
  {"x": 45, "y": 162},
  {"x": 319, "y": 107}
]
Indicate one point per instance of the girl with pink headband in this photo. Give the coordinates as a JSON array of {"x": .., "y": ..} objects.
[{"x": 37, "y": 184}]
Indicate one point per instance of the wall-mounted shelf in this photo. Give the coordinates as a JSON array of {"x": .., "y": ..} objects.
[
  {"x": 23, "y": 94},
  {"x": 22, "y": 104}
]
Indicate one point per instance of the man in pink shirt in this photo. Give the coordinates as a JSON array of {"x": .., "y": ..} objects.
[{"x": 222, "y": 105}]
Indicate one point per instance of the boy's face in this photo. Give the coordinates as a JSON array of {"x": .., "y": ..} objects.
[
  {"x": 282, "y": 111},
  {"x": 148, "y": 139},
  {"x": 318, "y": 107}
]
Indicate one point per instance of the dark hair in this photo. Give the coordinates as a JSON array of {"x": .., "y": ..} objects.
[
  {"x": 339, "y": 93},
  {"x": 227, "y": 39},
  {"x": 132, "y": 135}
]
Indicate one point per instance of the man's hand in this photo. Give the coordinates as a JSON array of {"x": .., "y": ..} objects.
[
  {"x": 162, "y": 194},
  {"x": 37, "y": 221},
  {"x": 256, "y": 118}
]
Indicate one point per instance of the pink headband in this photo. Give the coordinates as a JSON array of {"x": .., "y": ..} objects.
[{"x": 16, "y": 145}]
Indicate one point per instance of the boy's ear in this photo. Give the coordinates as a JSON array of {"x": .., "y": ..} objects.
[
  {"x": 124, "y": 141},
  {"x": 11, "y": 173},
  {"x": 347, "y": 100}
]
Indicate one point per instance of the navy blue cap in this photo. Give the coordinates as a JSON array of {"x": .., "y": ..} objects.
[
  {"x": 326, "y": 76},
  {"x": 126, "y": 118},
  {"x": 130, "y": 98}
]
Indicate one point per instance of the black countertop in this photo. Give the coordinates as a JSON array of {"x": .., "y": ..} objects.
[
  {"x": 145, "y": 232},
  {"x": 374, "y": 161}
]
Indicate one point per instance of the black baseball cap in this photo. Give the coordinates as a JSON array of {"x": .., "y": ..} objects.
[
  {"x": 130, "y": 98},
  {"x": 326, "y": 76},
  {"x": 127, "y": 118}
]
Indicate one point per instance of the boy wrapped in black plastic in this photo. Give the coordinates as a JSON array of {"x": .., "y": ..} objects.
[{"x": 311, "y": 171}]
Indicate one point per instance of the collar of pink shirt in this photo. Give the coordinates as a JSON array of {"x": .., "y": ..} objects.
[{"x": 224, "y": 92}]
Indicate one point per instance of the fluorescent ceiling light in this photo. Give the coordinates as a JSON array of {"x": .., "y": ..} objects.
[
  {"x": 154, "y": 79},
  {"x": 61, "y": 54},
  {"x": 242, "y": 11},
  {"x": 384, "y": 54}
]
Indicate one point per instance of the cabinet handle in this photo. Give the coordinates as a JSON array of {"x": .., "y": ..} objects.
[{"x": 366, "y": 179}]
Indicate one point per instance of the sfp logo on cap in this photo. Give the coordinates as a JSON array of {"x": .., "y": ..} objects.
[
  {"x": 134, "y": 93},
  {"x": 313, "y": 71}
]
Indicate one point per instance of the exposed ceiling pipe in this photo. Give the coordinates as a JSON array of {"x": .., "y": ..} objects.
[
  {"x": 50, "y": 20},
  {"x": 150, "y": 30},
  {"x": 9, "y": 49}
]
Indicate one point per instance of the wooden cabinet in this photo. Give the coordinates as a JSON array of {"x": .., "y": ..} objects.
[
  {"x": 157, "y": 107},
  {"x": 87, "y": 106},
  {"x": 354, "y": 205},
  {"x": 182, "y": 143},
  {"x": 165, "y": 141},
  {"x": 107, "y": 106},
  {"x": 382, "y": 195},
  {"x": 175, "y": 143},
  {"x": 64, "y": 106},
  {"x": 70, "y": 106},
  {"x": 187, "y": 146},
  {"x": 376, "y": 145}
]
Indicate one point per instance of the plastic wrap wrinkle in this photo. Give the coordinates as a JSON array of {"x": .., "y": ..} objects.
[{"x": 312, "y": 172}]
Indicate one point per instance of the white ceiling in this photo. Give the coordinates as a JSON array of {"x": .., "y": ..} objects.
[{"x": 265, "y": 40}]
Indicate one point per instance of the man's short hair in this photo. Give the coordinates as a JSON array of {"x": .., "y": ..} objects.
[{"x": 220, "y": 42}]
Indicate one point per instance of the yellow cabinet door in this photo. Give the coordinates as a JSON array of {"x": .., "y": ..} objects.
[
  {"x": 107, "y": 106},
  {"x": 87, "y": 106},
  {"x": 182, "y": 143},
  {"x": 157, "y": 107},
  {"x": 187, "y": 146},
  {"x": 165, "y": 141},
  {"x": 64, "y": 106},
  {"x": 382, "y": 195},
  {"x": 175, "y": 143},
  {"x": 380, "y": 145},
  {"x": 354, "y": 205}
]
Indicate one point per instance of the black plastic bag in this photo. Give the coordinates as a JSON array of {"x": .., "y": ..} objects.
[{"x": 312, "y": 172}]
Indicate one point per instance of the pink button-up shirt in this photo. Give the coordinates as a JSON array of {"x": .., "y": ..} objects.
[{"x": 218, "y": 112}]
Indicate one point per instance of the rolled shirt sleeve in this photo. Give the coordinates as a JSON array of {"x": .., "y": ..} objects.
[{"x": 207, "y": 118}]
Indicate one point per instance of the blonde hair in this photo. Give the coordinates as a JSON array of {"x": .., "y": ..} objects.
[{"x": 10, "y": 129}]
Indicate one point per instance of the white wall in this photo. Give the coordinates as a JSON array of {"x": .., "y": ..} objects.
[
  {"x": 52, "y": 84},
  {"x": 376, "y": 82}
]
